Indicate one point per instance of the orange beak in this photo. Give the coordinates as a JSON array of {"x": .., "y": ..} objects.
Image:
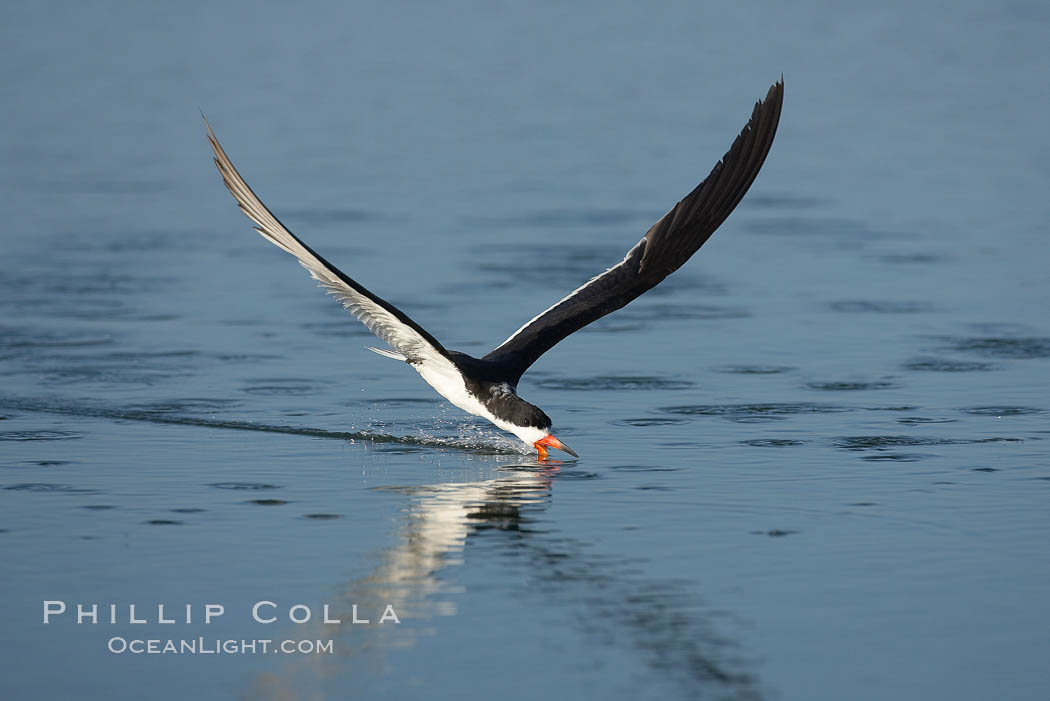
[{"x": 550, "y": 441}]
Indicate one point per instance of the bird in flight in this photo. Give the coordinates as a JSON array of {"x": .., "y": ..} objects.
[{"x": 487, "y": 386}]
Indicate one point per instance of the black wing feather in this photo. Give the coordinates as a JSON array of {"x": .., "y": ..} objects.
[{"x": 663, "y": 249}]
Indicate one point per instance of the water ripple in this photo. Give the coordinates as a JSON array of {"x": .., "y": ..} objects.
[
  {"x": 772, "y": 442},
  {"x": 752, "y": 369},
  {"x": 851, "y": 386},
  {"x": 189, "y": 405},
  {"x": 19, "y": 337},
  {"x": 930, "y": 364},
  {"x": 649, "y": 421},
  {"x": 48, "y": 487},
  {"x": 290, "y": 387},
  {"x": 613, "y": 382},
  {"x": 877, "y": 307},
  {"x": 1001, "y": 410},
  {"x": 861, "y": 443},
  {"x": 755, "y": 413},
  {"x": 642, "y": 468},
  {"x": 912, "y": 258},
  {"x": 243, "y": 485},
  {"x": 662, "y": 312},
  {"x": 401, "y": 401},
  {"x": 839, "y": 228},
  {"x": 1015, "y": 348},
  {"x": 40, "y": 435},
  {"x": 40, "y": 463}
]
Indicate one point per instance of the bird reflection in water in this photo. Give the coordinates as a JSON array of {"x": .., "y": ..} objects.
[
  {"x": 438, "y": 521},
  {"x": 657, "y": 619}
]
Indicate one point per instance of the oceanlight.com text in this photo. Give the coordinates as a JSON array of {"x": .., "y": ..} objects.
[{"x": 214, "y": 646}]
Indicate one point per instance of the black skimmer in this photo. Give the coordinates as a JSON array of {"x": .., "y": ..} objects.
[{"x": 487, "y": 386}]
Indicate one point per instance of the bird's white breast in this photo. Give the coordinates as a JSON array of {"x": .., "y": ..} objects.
[{"x": 450, "y": 385}]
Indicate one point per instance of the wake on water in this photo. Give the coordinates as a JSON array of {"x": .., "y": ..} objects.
[{"x": 468, "y": 437}]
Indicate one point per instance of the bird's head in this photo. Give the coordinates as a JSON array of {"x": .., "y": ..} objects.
[
  {"x": 549, "y": 441},
  {"x": 528, "y": 422},
  {"x": 541, "y": 439}
]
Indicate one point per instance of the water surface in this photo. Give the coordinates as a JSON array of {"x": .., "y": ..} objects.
[{"x": 815, "y": 460}]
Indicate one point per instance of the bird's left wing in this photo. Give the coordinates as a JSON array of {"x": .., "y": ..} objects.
[
  {"x": 411, "y": 341},
  {"x": 664, "y": 248}
]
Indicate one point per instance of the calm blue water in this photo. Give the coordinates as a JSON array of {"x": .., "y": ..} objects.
[{"x": 815, "y": 461}]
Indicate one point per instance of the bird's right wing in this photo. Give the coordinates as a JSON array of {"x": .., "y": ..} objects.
[
  {"x": 663, "y": 249},
  {"x": 411, "y": 342}
]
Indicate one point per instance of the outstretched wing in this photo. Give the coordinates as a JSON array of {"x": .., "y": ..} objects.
[
  {"x": 409, "y": 339},
  {"x": 663, "y": 249}
]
